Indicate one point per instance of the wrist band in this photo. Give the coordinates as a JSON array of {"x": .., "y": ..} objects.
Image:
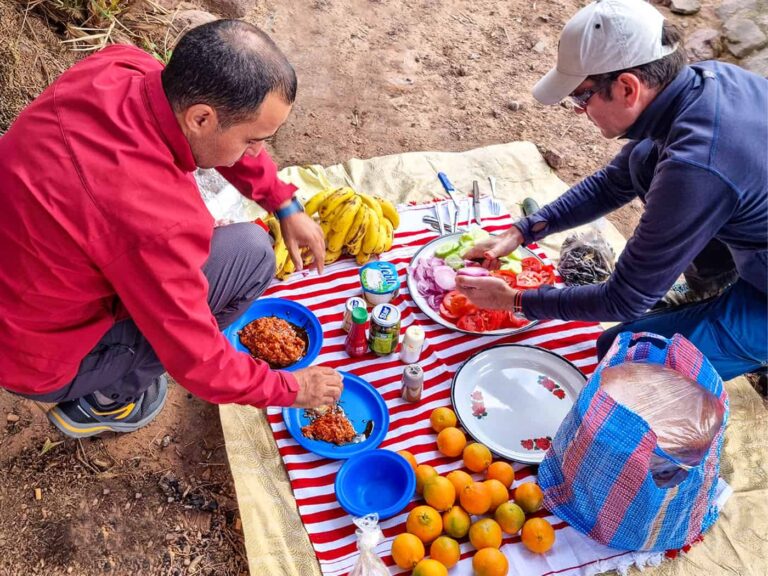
[
  {"x": 292, "y": 208},
  {"x": 517, "y": 301}
]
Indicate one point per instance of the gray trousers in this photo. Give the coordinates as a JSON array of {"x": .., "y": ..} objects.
[{"x": 123, "y": 364}]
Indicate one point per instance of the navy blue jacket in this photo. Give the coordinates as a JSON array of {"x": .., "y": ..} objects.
[{"x": 710, "y": 127}]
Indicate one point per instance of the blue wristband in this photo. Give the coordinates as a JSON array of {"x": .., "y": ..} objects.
[{"x": 292, "y": 208}]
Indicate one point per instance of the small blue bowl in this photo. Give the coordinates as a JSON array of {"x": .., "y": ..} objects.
[
  {"x": 290, "y": 311},
  {"x": 379, "y": 481}
]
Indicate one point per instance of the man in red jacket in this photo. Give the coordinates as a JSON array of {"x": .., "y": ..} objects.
[{"x": 111, "y": 271}]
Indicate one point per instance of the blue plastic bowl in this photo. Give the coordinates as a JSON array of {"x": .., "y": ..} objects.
[
  {"x": 288, "y": 310},
  {"x": 379, "y": 481}
]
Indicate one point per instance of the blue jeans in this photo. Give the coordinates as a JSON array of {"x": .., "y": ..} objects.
[{"x": 731, "y": 330}]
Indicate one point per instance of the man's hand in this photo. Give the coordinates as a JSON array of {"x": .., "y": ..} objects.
[
  {"x": 486, "y": 291},
  {"x": 299, "y": 231},
  {"x": 318, "y": 386},
  {"x": 491, "y": 249}
]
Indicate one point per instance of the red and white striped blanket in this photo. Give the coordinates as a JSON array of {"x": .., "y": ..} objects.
[{"x": 330, "y": 528}]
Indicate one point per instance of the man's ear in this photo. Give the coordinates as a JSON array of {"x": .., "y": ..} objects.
[
  {"x": 200, "y": 119},
  {"x": 628, "y": 89}
]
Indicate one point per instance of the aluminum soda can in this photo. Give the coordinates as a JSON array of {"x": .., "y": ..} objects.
[
  {"x": 413, "y": 383},
  {"x": 351, "y": 304},
  {"x": 384, "y": 334}
]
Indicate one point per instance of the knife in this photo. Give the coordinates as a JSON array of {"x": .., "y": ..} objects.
[
  {"x": 451, "y": 191},
  {"x": 476, "y": 202}
]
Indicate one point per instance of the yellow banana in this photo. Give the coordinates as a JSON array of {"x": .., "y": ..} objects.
[
  {"x": 281, "y": 253},
  {"x": 371, "y": 239},
  {"x": 354, "y": 240},
  {"x": 334, "y": 201},
  {"x": 342, "y": 223},
  {"x": 274, "y": 227},
  {"x": 287, "y": 269},
  {"x": 314, "y": 203},
  {"x": 331, "y": 257},
  {"x": 326, "y": 228},
  {"x": 362, "y": 258},
  {"x": 389, "y": 233},
  {"x": 382, "y": 237},
  {"x": 389, "y": 211},
  {"x": 369, "y": 201}
]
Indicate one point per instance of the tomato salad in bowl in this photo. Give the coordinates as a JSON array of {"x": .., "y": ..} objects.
[{"x": 432, "y": 283}]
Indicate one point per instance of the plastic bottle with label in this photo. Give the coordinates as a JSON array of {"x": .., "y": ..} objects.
[{"x": 356, "y": 343}]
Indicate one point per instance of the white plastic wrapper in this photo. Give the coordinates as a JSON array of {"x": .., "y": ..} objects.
[
  {"x": 684, "y": 416},
  {"x": 368, "y": 537}
]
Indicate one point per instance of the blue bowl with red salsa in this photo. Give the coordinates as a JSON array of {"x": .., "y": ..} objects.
[{"x": 305, "y": 324}]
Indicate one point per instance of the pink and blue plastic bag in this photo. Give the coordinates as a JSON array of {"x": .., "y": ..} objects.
[{"x": 597, "y": 475}]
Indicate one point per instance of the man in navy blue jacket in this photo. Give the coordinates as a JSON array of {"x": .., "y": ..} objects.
[{"x": 696, "y": 157}]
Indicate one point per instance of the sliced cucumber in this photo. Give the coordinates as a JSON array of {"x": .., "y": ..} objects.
[
  {"x": 446, "y": 249},
  {"x": 454, "y": 261},
  {"x": 513, "y": 266}
]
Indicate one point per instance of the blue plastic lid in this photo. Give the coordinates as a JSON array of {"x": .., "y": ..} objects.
[{"x": 379, "y": 481}]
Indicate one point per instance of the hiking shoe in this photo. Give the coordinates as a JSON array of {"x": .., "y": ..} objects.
[{"x": 85, "y": 417}]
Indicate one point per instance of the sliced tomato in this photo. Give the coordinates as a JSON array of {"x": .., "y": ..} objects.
[
  {"x": 507, "y": 275},
  {"x": 447, "y": 314},
  {"x": 547, "y": 275},
  {"x": 473, "y": 322},
  {"x": 532, "y": 263},
  {"x": 493, "y": 318},
  {"x": 527, "y": 279},
  {"x": 511, "y": 320},
  {"x": 457, "y": 304}
]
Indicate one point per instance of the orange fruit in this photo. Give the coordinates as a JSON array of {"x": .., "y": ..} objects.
[
  {"x": 459, "y": 479},
  {"x": 537, "y": 535},
  {"x": 485, "y": 533},
  {"x": 439, "y": 493},
  {"x": 410, "y": 457},
  {"x": 456, "y": 522},
  {"x": 501, "y": 471},
  {"x": 477, "y": 457},
  {"x": 499, "y": 493},
  {"x": 510, "y": 517},
  {"x": 476, "y": 498},
  {"x": 442, "y": 418},
  {"x": 424, "y": 522},
  {"x": 490, "y": 562},
  {"x": 429, "y": 567},
  {"x": 407, "y": 550},
  {"x": 529, "y": 497},
  {"x": 446, "y": 551},
  {"x": 423, "y": 473},
  {"x": 451, "y": 441}
]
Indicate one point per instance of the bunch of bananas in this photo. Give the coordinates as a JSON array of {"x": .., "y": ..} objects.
[{"x": 353, "y": 223}]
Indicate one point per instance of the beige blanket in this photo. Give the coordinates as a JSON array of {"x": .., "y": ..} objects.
[{"x": 275, "y": 540}]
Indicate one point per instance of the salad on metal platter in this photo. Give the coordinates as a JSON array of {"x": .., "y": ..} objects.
[{"x": 435, "y": 278}]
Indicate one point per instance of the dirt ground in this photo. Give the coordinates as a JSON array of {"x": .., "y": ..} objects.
[{"x": 375, "y": 78}]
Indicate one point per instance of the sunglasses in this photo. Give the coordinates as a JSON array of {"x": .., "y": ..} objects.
[{"x": 581, "y": 99}]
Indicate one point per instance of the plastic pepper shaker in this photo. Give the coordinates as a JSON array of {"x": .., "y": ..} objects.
[
  {"x": 356, "y": 343},
  {"x": 412, "y": 384}
]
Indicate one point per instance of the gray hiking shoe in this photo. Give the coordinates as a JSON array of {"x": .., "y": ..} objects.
[{"x": 85, "y": 417}]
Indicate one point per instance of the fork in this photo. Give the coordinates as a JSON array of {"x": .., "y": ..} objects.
[{"x": 495, "y": 204}]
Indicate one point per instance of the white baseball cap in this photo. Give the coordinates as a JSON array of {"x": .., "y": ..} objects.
[{"x": 605, "y": 36}]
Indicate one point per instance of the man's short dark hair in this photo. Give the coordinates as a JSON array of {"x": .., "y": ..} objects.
[
  {"x": 229, "y": 65},
  {"x": 656, "y": 74}
]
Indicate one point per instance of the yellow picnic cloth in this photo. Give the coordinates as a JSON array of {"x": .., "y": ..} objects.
[{"x": 275, "y": 540}]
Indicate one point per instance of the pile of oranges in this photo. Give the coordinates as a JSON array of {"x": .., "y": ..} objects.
[{"x": 457, "y": 506}]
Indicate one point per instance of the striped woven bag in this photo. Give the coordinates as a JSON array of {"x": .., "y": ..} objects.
[{"x": 597, "y": 476}]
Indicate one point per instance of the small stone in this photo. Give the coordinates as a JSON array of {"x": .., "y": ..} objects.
[
  {"x": 567, "y": 104},
  {"x": 106, "y": 491},
  {"x": 703, "y": 44},
  {"x": 743, "y": 36},
  {"x": 166, "y": 441},
  {"x": 540, "y": 46},
  {"x": 137, "y": 495},
  {"x": 553, "y": 158},
  {"x": 187, "y": 561},
  {"x": 729, "y": 8},
  {"x": 685, "y": 7},
  {"x": 11, "y": 418},
  {"x": 544, "y": 18}
]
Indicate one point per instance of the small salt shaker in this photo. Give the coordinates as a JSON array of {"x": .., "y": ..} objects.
[{"x": 413, "y": 342}]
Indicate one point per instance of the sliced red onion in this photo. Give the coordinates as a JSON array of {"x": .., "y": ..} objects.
[{"x": 445, "y": 277}]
